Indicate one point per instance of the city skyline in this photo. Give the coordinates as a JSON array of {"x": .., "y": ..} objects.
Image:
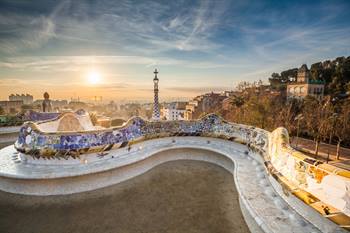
[{"x": 110, "y": 49}]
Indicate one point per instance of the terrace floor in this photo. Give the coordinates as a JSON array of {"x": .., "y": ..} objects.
[{"x": 180, "y": 196}]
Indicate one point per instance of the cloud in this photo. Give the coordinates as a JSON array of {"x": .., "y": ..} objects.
[
  {"x": 22, "y": 32},
  {"x": 144, "y": 27},
  {"x": 299, "y": 30},
  {"x": 75, "y": 63},
  {"x": 210, "y": 41},
  {"x": 26, "y": 31},
  {"x": 79, "y": 63}
]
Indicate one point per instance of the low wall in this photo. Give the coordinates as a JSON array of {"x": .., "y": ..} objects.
[
  {"x": 257, "y": 197},
  {"x": 38, "y": 139},
  {"x": 323, "y": 187}
]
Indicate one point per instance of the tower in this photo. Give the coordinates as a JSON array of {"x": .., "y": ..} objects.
[
  {"x": 156, "y": 113},
  {"x": 303, "y": 75},
  {"x": 47, "y": 107}
]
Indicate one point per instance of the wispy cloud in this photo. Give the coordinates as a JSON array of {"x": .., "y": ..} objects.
[
  {"x": 76, "y": 63},
  {"x": 79, "y": 63},
  {"x": 215, "y": 43},
  {"x": 139, "y": 27},
  {"x": 24, "y": 32}
]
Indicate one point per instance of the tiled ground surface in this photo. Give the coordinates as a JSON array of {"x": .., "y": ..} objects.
[{"x": 174, "y": 197}]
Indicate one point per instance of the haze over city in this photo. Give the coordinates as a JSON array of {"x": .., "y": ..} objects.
[
  {"x": 110, "y": 48},
  {"x": 201, "y": 116}
]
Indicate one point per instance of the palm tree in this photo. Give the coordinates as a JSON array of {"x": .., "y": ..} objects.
[{"x": 237, "y": 101}]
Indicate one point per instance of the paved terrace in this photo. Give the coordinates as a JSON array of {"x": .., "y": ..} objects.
[{"x": 264, "y": 208}]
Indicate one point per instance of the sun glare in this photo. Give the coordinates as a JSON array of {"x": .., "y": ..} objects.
[{"x": 93, "y": 77}]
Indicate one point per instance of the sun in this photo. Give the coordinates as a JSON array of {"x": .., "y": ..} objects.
[{"x": 93, "y": 77}]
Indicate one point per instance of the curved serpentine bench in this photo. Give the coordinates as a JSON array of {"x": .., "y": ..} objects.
[{"x": 50, "y": 163}]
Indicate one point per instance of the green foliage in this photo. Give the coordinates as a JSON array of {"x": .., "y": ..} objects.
[
  {"x": 336, "y": 75},
  {"x": 316, "y": 71},
  {"x": 10, "y": 120},
  {"x": 237, "y": 101},
  {"x": 342, "y": 121},
  {"x": 325, "y": 120},
  {"x": 321, "y": 120},
  {"x": 279, "y": 82}
]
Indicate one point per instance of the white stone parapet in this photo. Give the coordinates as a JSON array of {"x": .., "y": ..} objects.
[
  {"x": 265, "y": 209},
  {"x": 318, "y": 192}
]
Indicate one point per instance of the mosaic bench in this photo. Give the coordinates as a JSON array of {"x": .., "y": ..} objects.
[{"x": 323, "y": 187}]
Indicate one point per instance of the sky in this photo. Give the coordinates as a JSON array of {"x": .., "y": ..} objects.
[{"x": 110, "y": 48}]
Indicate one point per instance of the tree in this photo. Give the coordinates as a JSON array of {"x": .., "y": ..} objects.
[
  {"x": 342, "y": 125},
  {"x": 316, "y": 70},
  {"x": 275, "y": 81},
  {"x": 237, "y": 101},
  {"x": 287, "y": 75},
  {"x": 242, "y": 86},
  {"x": 287, "y": 113},
  {"x": 279, "y": 82},
  {"x": 322, "y": 120},
  {"x": 236, "y": 111},
  {"x": 317, "y": 116},
  {"x": 258, "y": 107},
  {"x": 340, "y": 76}
]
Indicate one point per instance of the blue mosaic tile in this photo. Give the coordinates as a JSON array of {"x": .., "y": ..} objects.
[
  {"x": 136, "y": 129},
  {"x": 41, "y": 140}
]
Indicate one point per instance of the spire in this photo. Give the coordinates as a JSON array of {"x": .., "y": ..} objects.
[
  {"x": 155, "y": 76},
  {"x": 156, "y": 113}
]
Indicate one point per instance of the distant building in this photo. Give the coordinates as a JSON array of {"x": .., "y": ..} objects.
[
  {"x": 57, "y": 105},
  {"x": 174, "y": 111},
  {"x": 11, "y": 106},
  {"x": 76, "y": 105},
  {"x": 203, "y": 104},
  {"x": 111, "y": 107},
  {"x": 304, "y": 86},
  {"x": 27, "y": 99},
  {"x": 228, "y": 93}
]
